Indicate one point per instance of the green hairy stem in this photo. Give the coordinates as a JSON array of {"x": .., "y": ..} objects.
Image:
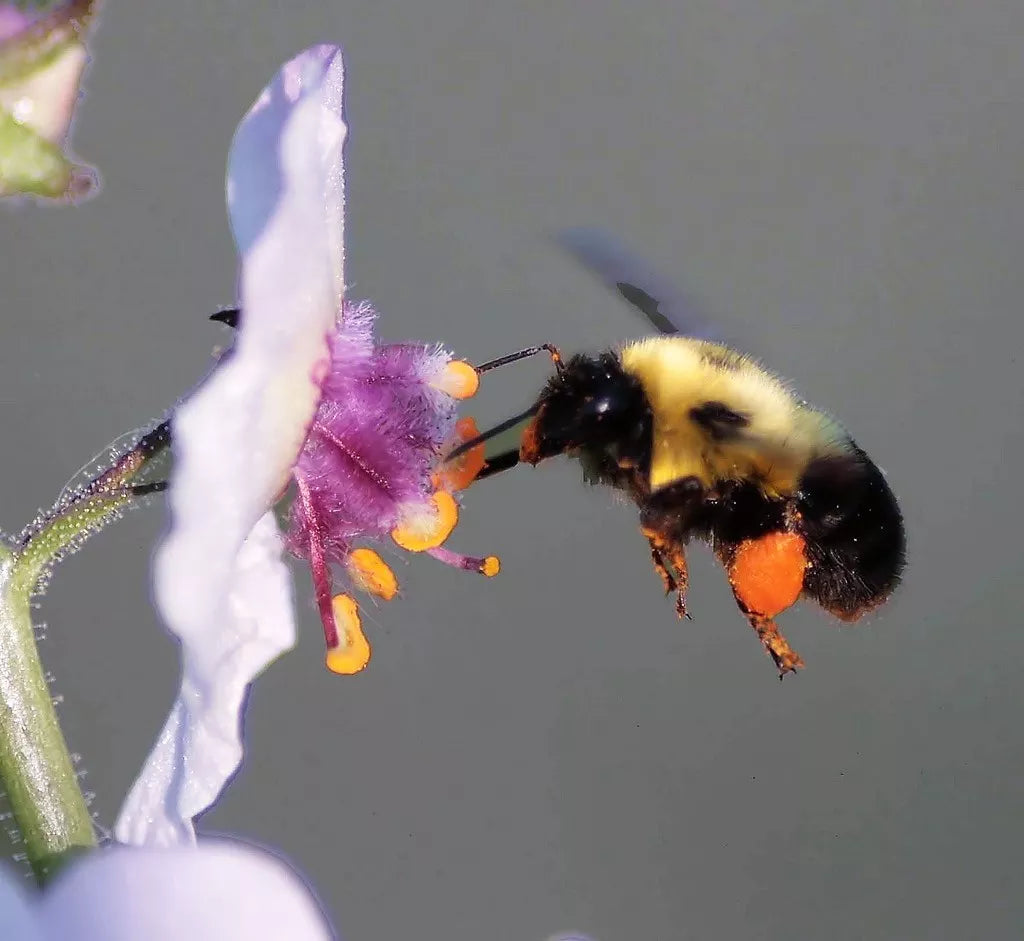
[
  {"x": 36, "y": 769},
  {"x": 35, "y": 766}
]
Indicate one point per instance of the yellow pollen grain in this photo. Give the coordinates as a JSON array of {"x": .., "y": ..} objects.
[
  {"x": 353, "y": 653},
  {"x": 371, "y": 573},
  {"x": 491, "y": 566},
  {"x": 428, "y": 531},
  {"x": 458, "y": 379}
]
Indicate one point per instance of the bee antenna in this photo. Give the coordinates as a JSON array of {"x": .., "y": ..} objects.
[{"x": 552, "y": 351}]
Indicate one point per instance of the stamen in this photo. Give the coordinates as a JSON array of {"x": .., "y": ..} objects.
[
  {"x": 353, "y": 655},
  {"x": 423, "y": 529},
  {"x": 460, "y": 472},
  {"x": 371, "y": 573},
  {"x": 458, "y": 379},
  {"x": 489, "y": 566},
  {"x": 318, "y": 563}
]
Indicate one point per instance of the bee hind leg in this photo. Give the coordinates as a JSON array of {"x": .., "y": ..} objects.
[
  {"x": 786, "y": 659},
  {"x": 766, "y": 575}
]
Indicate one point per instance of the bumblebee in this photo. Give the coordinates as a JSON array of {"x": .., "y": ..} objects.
[{"x": 712, "y": 446}]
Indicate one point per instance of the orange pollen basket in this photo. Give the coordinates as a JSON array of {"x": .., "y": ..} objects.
[{"x": 767, "y": 574}]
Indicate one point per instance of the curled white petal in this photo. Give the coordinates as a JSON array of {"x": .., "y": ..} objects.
[
  {"x": 219, "y": 582},
  {"x": 218, "y": 890},
  {"x": 200, "y": 746},
  {"x": 314, "y": 167}
]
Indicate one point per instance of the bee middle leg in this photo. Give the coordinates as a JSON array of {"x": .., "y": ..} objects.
[
  {"x": 669, "y": 559},
  {"x": 658, "y": 559},
  {"x": 664, "y": 519}
]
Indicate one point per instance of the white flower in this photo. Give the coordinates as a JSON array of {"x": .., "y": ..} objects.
[
  {"x": 218, "y": 891},
  {"x": 220, "y": 582}
]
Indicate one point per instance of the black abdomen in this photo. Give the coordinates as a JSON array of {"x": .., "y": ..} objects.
[{"x": 854, "y": 534}]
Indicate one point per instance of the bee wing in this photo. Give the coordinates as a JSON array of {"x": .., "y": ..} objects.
[{"x": 663, "y": 303}]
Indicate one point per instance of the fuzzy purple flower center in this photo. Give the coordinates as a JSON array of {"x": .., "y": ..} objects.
[
  {"x": 375, "y": 439},
  {"x": 368, "y": 463}
]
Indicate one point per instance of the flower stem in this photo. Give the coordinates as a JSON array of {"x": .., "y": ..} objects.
[{"x": 35, "y": 766}]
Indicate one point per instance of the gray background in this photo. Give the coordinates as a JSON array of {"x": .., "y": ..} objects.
[{"x": 842, "y": 184}]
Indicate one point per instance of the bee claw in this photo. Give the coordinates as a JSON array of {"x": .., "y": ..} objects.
[{"x": 784, "y": 671}]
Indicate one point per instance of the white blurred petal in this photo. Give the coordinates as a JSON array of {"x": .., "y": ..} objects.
[
  {"x": 218, "y": 891},
  {"x": 18, "y": 921},
  {"x": 237, "y": 438}
]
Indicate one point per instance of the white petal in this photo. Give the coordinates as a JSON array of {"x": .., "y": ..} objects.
[
  {"x": 200, "y": 746},
  {"x": 287, "y": 216},
  {"x": 219, "y": 890},
  {"x": 314, "y": 79},
  {"x": 236, "y": 440}
]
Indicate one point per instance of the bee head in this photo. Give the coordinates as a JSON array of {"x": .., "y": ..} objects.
[{"x": 591, "y": 403}]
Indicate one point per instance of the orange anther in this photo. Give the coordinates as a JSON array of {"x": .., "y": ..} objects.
[
  {"x": 460, "y": 473},
  {"x": 458, "y": 379},
  {"x": 426, "y": 527},
  {"x": 491, "y": 566},
  {"x": 371, "y": 573},
  {"x": 353, "y": 653}
]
